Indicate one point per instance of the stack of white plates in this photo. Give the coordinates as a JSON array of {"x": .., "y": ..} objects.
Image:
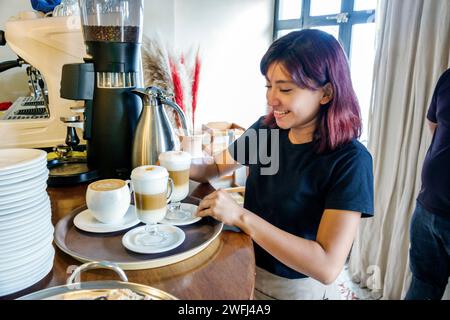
[{"x": 26, "y": 230}]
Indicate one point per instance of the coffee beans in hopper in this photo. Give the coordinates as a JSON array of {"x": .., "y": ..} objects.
[{"x": 111, "y": 33}]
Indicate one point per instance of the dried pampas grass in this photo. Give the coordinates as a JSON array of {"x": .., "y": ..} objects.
[
  {"x": 178, "y": 74},
  {"x": 155, "y": 62}
]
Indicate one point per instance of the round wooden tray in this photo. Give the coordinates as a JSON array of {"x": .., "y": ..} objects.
[{"x": 87, "y": 247}]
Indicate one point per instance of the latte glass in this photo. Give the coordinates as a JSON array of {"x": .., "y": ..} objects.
[
  {"x": 178, "y": 164},
  {"x": 152, "y": 191}
]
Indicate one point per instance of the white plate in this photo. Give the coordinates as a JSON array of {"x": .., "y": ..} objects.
[
  {"x": 85, "y": 221},
  {"x": 25, "y": 170},
  {"x": 30, "y": 279},
  {"x": 23, "y": 204},
  {"x": 27, "y": 224},
  {"x": 25, "y": 209},
  {"x": 28, "y": 267},
  {"x": 13, "y": 198},
  {"x": 175, "y": 237},
  {"x": 13, "y": 160},
  {"x": 25, "y": 257},
  {"x": 34, "y": 275},
  {"x": 21, "y": 176},
  {"x": 26, "y": 237},
  {"x": 12, "y": 189},
  {"x": 192, "y": 208},
  {"x": 24, "y": 243},
  {"x": 27, "y": 219},
  {"x": 21, "y": 233}
]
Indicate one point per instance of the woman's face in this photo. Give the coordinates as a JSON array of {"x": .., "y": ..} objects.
[{"x": 293, "y": 107}]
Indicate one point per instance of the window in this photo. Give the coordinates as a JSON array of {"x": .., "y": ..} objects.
[{"x": 352, "y": 22}]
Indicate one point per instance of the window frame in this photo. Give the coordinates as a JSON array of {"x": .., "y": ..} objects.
[{"x": 307, "y": 21}]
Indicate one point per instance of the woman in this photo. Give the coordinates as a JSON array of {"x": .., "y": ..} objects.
[{"x": 303, "y": 216}]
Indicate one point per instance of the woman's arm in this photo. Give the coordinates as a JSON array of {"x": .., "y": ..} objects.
[
  {"x": 222, "y": 164},
  {"x": 322, "y": 259}
]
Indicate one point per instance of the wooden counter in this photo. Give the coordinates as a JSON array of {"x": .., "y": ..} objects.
[{"x": 224, "y": 270}]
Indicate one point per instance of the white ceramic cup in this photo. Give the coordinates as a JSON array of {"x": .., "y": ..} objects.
[{"x": 108, "y": 200}]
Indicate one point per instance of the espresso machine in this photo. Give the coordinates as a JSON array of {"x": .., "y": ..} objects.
[
  {"x": 43, "y": 46},
  {"x": 112, "y": 31}
]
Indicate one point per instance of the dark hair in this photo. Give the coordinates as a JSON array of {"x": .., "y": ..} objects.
[{"x": 314, "y": 58}]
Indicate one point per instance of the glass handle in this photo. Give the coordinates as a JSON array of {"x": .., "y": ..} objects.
[{"x": 171, "y": 190}]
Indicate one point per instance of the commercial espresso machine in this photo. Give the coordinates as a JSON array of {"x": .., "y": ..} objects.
[
  {"x": 44, "y": 45},
  {"x": 112, "y": 32}
]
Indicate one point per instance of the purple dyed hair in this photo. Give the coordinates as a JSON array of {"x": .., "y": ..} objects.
[{"x": 314, "y": 58}]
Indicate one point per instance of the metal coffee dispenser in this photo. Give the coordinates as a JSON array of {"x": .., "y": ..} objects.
[
  {"x": 112, "y": 32},
  {"x": 154, "y": 133}
]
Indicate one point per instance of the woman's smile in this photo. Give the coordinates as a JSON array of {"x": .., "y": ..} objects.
[{"x": 280, "y": 114}]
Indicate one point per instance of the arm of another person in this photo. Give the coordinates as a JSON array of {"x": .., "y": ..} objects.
[
  {"x": 432, "y": 126},
  {"x": 322, "y": 259},
  {"x": 223, "y": 165}
]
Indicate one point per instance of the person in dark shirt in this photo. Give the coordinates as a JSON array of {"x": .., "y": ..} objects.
[
  {"x": 310, "y": 181},
  {"x": 430, "y": 225}
]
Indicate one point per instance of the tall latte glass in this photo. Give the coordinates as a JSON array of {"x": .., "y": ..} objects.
[
  {"x": 152, "y": 192},
  {"x": 178, "y": 164}
]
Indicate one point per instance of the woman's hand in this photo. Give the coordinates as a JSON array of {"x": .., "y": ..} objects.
[{"x": 221, "y": 206}]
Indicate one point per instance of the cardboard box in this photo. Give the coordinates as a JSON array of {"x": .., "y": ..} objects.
[{"x": 221, "y": 135}]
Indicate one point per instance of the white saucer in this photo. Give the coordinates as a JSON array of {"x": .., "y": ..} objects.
[
  {"x": 192, "y": 208},
  {"x": 175, "y": 237},
  {"x": 86, "y": 222}
]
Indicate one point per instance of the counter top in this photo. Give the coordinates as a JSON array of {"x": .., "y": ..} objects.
[{"x": 225, "y": 270}]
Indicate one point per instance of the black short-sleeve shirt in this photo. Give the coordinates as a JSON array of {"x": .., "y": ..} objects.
[
  {"x": 291, "y": 185},
  {"x": 435, "y": 193}
]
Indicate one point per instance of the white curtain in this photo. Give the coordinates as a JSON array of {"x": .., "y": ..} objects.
[{"x": 413, "y": 50}]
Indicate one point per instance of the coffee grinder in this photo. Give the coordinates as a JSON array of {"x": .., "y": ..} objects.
[{"x": 112, "y": 31}]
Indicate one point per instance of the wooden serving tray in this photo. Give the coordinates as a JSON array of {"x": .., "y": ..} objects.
[{"x": 87, "y": 247}]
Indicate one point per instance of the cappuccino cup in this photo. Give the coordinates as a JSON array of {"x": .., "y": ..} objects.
[
  {"x": 108, "y": 200},
  {"x": 151, "y": 192},
  {"x": 178, "y": 164}
]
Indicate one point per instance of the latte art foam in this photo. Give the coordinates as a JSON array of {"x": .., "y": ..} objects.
[{"x": 107, "y": 185}]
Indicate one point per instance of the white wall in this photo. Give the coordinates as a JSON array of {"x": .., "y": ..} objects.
[
  {"x": 159, "y": 19},
  {"x": 233, "y": 35}
]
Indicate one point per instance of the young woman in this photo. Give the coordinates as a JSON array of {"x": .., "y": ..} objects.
[{"x": 304, "y": 214}]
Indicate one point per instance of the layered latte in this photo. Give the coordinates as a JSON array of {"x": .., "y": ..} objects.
[
  {"x": 177, "y": 164},
  {"x": 150, "y": 185}
]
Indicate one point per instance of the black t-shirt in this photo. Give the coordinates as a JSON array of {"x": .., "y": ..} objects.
[
  {"x": 435, "y": 193},
  {"x": 293, "y": 191}
]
